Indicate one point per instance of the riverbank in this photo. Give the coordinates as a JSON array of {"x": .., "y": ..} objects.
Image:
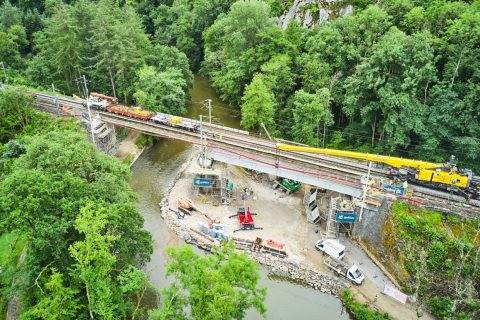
[
  {"x": 128, "y": 150},
  {"x": 283, "y": 220}
]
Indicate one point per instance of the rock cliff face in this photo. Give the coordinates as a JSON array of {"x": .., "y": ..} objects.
[{"x": 309, "y": 13}]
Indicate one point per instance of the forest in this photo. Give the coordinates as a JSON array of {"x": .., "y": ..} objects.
[
  {"x": 399, "y": 77},
  {"x": 72, "y": 243}
]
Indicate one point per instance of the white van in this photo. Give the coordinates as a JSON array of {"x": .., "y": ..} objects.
[{"x": 331, "y": 247}]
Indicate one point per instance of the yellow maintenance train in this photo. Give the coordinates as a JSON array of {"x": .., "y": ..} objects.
[{"x": 445, "y": 176}]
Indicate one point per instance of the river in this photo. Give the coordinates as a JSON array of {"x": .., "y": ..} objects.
[{"x": 152, "y": 174}]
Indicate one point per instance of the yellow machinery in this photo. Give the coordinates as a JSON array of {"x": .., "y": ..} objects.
[
  {"x": 176, "y": 120},
  {"x": 429, "y": 173}
]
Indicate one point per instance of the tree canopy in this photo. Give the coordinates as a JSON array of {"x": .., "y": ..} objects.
[{"x": 223, "y": 285}]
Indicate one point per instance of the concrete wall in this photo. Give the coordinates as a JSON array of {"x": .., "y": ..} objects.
[{"x": 369, "y": 230}]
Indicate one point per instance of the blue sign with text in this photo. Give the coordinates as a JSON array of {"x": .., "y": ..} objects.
[
  {"x": 399, "y": 191},
  {"x": 202, "y": 182},
  {"x": 345, "y": 217}
]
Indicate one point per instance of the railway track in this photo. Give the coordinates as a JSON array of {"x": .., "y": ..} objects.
[{"x": 350, "y": 170}]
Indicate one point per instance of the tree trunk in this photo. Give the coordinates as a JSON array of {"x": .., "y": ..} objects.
[
  {"x": 139, "y": 300},
  {"x": 113, "y": 84},
  {"x": 456, "y": 69},
  {"x": 373, "y": 129},
  {"x": 89, "y": 303},
  {"x": 425, "y": 93}
]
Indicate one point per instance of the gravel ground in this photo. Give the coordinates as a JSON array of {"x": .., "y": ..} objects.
[{"x": 355, "y": 254}]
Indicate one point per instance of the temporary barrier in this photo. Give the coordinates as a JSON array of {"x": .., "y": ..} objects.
[{"x": 395, "y": 294}]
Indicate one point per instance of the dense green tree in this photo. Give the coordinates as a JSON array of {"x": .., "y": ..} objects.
[
  {"x": 278, "y": 76},
  {"x": 390, "y": 88},
  {"x": 434, "y": 16},
  {"x": 134, "y": 284},
  {"x": 17, "y": 115},
  {"x": 223, "y": 285},
  {"x": 58, "y": 301},
  {"x": 120, "y": 45},
  {"x": 9, "y": 54},
  {"x": 258, "y": 105},
  {"x": 19, "y": 35},
  {"x": 181, "y": 23},
  {"x": 60, "y": 47},
  {"x": 94, "y": 262},
  {"x": 161, "y": 91},
  {"x": 165, "y": 58},
  {"x": 230, "y": 57},
  {"x": 49, "y": 185},
  {"x": 310, "y": 112},
  {"x": 315, "y": 75},
  {"x": 9, "y": 15}
]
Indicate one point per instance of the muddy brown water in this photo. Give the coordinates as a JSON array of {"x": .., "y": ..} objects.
[{"x": 152, "y": 174}]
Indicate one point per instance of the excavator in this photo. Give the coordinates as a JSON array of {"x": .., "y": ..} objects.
[{"x": 443, "y": 176}]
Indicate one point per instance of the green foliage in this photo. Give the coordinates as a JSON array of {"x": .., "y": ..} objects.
[
  {"x": 145, "y": 140},
  {"x": 9, "y": 15},
  {"x": 94, "y": 261},
  {"x": 181, "y": 24},
  {"x": 57, "y": 302},
  {"x": 11, "y": 246},
  {"x": 310, "y": 111},
  {"x": 233, "y": 47},
  {"x": 223, "y": 285},
  {"x": 104, "y": 41},
  {"x": 258, "y": 105},
  {"x": 360, "y": 311},
  {"x": 395, "y": 99},
  {"x": 9, "y": 53},
  {"x": 47, "y": 195},
  {"x": 161, "y": 91},
  {"x": 171, "y": 58},
  {"x": 17, "y": 115},
  {"x": 440, "y": 255}
]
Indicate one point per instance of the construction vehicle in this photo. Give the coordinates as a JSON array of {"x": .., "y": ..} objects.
[
  {"x": 331, "y": 247},
  {"x": 352, "y": 273},
  {"x": 290, "y": 186},
  {"x": 435, "y": 175},
  {"x": 245, "y": 219}
]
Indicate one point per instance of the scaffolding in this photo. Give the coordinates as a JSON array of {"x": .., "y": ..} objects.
[
  {"x": 212, "y": 185},
  {"x": 311, "y": 207},
  {"x": 341, "y": 217}
]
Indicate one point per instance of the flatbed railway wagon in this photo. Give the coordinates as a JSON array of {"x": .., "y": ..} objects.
[
  {"x": 100, "y": 101},
  {"x": 175, "y": 121},
  {"x": 133, "y": 112}
]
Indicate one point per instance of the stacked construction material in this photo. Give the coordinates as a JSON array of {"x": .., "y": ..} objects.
[{"x": 214, "y": 230}]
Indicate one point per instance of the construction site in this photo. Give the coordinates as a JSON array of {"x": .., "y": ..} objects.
[{"x": 268, "y": 218}]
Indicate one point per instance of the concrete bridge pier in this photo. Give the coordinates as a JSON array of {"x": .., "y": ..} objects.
[{"x": 104, "y": 134}]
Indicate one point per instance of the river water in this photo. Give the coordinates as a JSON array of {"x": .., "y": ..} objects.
[{"x": 152, "y": 174}]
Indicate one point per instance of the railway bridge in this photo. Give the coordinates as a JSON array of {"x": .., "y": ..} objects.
[{"x": 239, "y": 148}]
